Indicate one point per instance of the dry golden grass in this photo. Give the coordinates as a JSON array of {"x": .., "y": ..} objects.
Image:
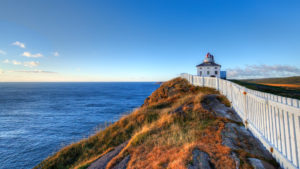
[
  {"x": 89, "y": 161},
  {"x": 162, "y": 133},
  {"x": 224, "y": 100},
  {"x": 169, "y": 141},
  {"x": 115, "y": 134},
  {"x": 282, "y": 85}
]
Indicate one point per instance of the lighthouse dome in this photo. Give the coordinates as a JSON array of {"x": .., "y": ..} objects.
[{"x": 209, "y": 58}]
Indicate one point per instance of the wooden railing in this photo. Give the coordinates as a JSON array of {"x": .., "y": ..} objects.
[{"x": 274, "y": 120}]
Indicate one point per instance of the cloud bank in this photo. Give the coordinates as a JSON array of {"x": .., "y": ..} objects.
[
  {"x": 31, "y": 64},
  {"x": 33, "y": 71},
  {"x": 14, "y": 62},
  {"x": 29, "y": 55},
  {"x": 27, "y": 64},
  {"x": 26, "y": 71},
  {"x": 20, "y": 44},
  {"x": 263, "y": 71}
]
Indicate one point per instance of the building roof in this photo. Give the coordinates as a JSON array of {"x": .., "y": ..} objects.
[{"x": 208, "y": 64}]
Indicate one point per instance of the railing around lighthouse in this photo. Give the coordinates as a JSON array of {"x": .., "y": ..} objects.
[{"x": 274, "y": 120}]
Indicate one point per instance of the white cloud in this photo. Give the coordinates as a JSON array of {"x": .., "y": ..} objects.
[
  {"x": 14, "y": 62},
  {"x": 37, "y": 55},
  {"x": 31, "y": 64},
  {"x": 27, "y": 64},
  {"x": 17, "y": 43},
  {"x": 2, "y": 52},
  {"x": 33, "y": 71},
  {"x": 55, "y": 54},
  {"x": 262, "y": 71},
  {"x": 6, "y": 61},
  {"x": 29, "y": 55}
]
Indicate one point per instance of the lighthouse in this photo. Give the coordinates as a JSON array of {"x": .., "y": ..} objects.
[{"x": 209, "y": 68}]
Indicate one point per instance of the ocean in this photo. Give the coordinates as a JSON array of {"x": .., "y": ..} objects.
[{"x": 37, "y": 119}]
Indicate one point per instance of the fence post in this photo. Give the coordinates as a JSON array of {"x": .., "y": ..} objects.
[
  {"x": 192, "y": 80},
  {"x": 217, "y": 83},
  {"x": 231, "y": 88},
  {"x": 245, "y": 109},
  {"x": 202, "y": 81}
]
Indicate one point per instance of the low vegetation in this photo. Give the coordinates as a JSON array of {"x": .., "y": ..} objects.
[
  {"x": 162, "y": 133},
  {"x": 284, "y": 89},
  {"x": 295, "y": 80},
  {"x": 282, "y": 85}
]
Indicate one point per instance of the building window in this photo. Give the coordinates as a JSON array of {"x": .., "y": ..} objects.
[
  {"x": 216, "y": 68},
  {"x": 207, "y": 72},
  {"x": 216, "y": 72},
  {"x": 200, "y": 73}
]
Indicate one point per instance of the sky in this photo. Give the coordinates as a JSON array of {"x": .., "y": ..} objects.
[{"x": 146, "y": 40}]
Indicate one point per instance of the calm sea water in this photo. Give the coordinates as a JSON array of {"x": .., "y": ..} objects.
[{"x": 37, "y": 119}]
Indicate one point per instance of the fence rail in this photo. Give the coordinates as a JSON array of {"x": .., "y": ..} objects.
[{"x": 274, "y": 120}]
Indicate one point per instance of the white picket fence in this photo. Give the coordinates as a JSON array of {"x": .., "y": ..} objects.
[{"x": 274, "y": 120}]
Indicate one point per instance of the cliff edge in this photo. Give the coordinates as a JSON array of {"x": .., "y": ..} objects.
[{"x": 178, "y": 126}]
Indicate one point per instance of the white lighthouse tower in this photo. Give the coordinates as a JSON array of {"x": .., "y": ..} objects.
[{"x": 208, "y": 68}]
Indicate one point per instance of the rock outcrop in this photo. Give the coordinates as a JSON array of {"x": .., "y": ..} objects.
[
  {"x": 104, "y": 160},
  {"x": 200, "y": 160},
  {"x": 260, "y": 164},
  {"x": 237, "y": 137},
  {"x": 122, "y": 164}
]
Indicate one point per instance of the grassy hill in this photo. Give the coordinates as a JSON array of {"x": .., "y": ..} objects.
[
  {"x": 282, "y": 80},
  {"x": 287, "y": 86},
  {"x": 165, "y": 132}
]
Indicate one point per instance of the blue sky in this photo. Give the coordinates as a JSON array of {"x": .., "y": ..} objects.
[{"x": 146, "y": 40}]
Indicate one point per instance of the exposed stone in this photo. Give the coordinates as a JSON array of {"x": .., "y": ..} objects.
[
  {"x": 103, "y": 161},
  {"x": 122, "y": 164},
  {"x": 211, "y": 103},
  {"x": 236, "y": 160},
  {"x": 238, "y": 137},
  {"x": 178, "y": 110},
  {"x": 260, "y": 164},
  {"x": 200, "y": 160}
]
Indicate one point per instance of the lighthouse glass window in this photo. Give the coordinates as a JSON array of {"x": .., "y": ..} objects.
[{"x": 216, "y": 72}]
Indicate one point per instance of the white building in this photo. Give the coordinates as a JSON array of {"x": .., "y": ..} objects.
[{"x": 208, "y": 68}]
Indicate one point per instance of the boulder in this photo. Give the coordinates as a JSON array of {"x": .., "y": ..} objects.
[
  {"x": 200, "y": 160},
  {"x": 104, "y": 160},
  {"x": 211, "y": 103},
  {"x": 122, "y": 164},
  {"x": 236, "y": 159},
  {"x": 260, "y": 164}
]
